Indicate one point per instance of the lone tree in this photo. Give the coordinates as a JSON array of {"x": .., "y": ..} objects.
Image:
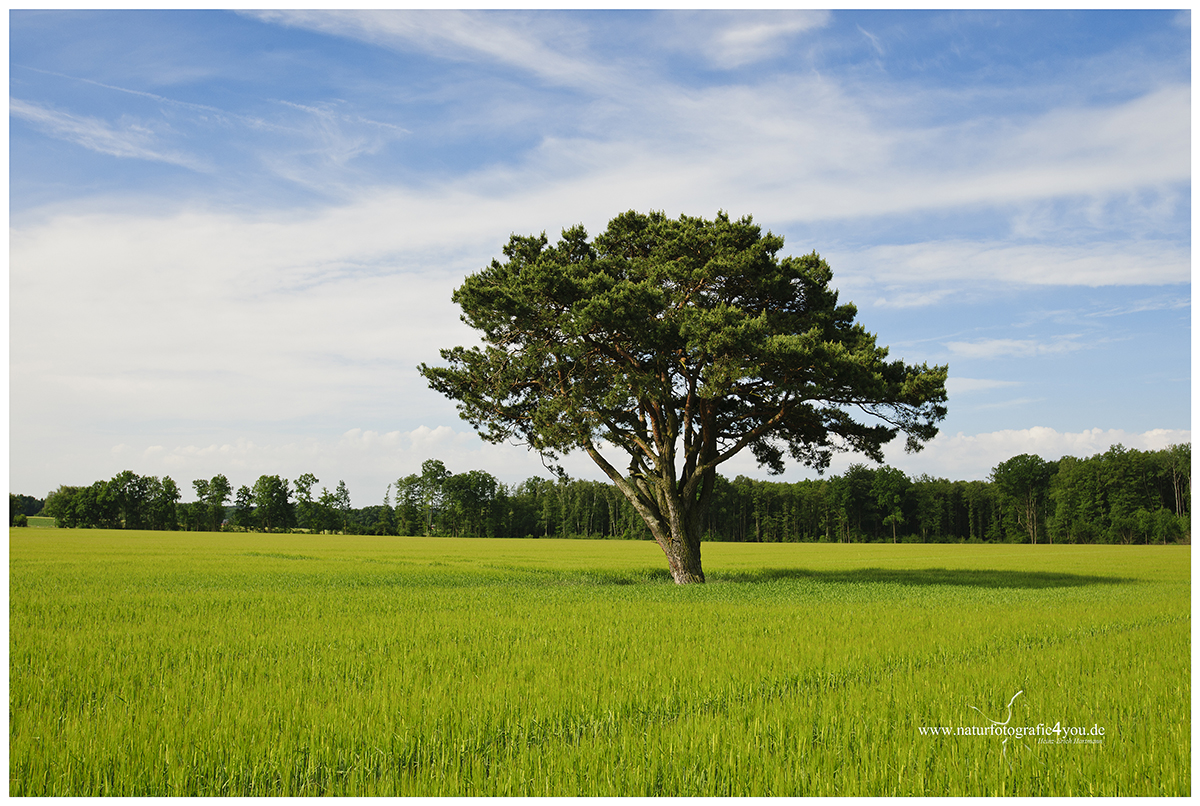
[{"x": 680, "y": 343}]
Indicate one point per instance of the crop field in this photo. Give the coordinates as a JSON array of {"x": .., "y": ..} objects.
[{"x": 161, "y": 663}]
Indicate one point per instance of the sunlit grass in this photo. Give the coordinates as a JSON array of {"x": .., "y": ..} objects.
[{"x": 247, "y": 664}]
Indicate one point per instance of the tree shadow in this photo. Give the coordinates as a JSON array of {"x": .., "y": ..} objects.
[{"x": 969, "y": 577}]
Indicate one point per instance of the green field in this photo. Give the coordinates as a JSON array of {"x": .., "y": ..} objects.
[{"x": 157, "y": 663}]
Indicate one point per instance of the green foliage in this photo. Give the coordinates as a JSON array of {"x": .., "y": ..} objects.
[
  {"x": 23, "y": 505},
  {"x": 1122, "y": 496},
  {"x": 677, "y": 344},
  {"x": 889, "y": 488},
  {"x": 208, "y": 512},
  {"x": 126, "y": 501},
  {"x": 266, "y": 665},
  {"x": 272, "y": 507},
  {"x": 306, "y": 517},
  {"x": 243, "y": 512},
  {"x": 1025, "y": 480},
  {"x": 1089, "y": 501}
]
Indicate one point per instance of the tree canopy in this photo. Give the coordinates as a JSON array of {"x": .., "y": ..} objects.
[
  {"x": 1026, "y": 479},
  {"x": 680, "y": 343}
]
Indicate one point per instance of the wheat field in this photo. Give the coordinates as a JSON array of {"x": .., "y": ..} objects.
[{"x": 160, "y": 663}]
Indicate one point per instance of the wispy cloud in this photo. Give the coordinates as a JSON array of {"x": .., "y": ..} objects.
[
  {"x": 958, "y": 386},
  {"x": 1015, "y": 402},
  {"x": 741, "y": 39},
  {"x": 839, "y": 141},
  {"x": 129, "y": 138},
  {"x": 967, "y": 457},
  {"x": 458, "y": 35},
  {"x": 313, "y": 145},
  {"x": 1171, "y": 303},
  {"x": 1014, "y": 348},
  {"x": 162, "y": 99},
  {"x": 1037, "y": 264},
  {"x": 898, "y": 298},
  {"x": 874, "y": 40},
  {"x": 972, "y": 456}
]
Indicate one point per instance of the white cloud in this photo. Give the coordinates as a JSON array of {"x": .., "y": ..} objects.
[
  {"x": 912, "y": 299},
  {"x": 1042, "y": 264},
  {"x": 960, "y": 386},
  {"x": 1010, "y": 404},
  {"x": 1014, "y": 348},
  {"x": 803, "y": 146},
  {"x": 555, "y": 48},
  {"x": 752, "y": 37},
  {"x": 1161, "y": 303},
  {"x": 1153, "y": 131},
  {"x": 461, "y": 35},
  {"x": 967, "y": 457},
  {"x": 131, "y": 138}
]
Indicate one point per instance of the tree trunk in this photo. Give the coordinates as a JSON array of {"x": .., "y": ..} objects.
[
  {"x": 676, "y": 524},
  {"x": 677, "y": 532},
  {"x": 683, "y": 558}
]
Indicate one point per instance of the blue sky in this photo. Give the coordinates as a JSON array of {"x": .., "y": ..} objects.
[{"x": 233, "y": 236}]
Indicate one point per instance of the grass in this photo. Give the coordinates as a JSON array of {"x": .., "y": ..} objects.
[{"x": 246, "y": 664}]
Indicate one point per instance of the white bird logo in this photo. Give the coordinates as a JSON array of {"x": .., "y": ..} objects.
[{"x": 1007, "y": 719}]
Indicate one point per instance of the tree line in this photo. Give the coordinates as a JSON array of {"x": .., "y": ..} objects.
[{"x": 1119, "y": 496}]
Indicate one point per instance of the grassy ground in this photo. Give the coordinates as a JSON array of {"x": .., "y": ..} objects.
[{"x": 246, "y": 664}]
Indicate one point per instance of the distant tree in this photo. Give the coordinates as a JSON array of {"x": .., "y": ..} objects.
[
  {"x": 212, "y": 495},
  {"x": 99, "y": 507},
  {"x": 243, "y": 508},
  {"x": 219, "y": 491},
  {"x": 409, "y": 517},
  {"x": 889, "y": 487},
  {"x": 164, "y": 505},
  {"x": 1179, "y": 463},
  {"x": 23, "y": 505},
  {"x": 433, "y": 480},
  {"x": 304, "y": 500},
  {"x": 851, "y": 495},
  {"x": 386, "y": 525},
  {"x": 929, "y": 498},
  {"x": 341, "y": 503},
  {"x": 197, "y": 515},
  {"x": 1026, "y": 480},
  {"x": 468, "y": 500},
  {"x": 272, "y": 505},
  {"x": 325, "y": 512},
  {"x": 193, "y": 516},
  {"x": 201, "y": 488},
  {"x": 129, "y": 495}
]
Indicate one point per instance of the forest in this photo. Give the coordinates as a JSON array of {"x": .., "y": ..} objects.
[{"x": 1121, "y": 496}]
